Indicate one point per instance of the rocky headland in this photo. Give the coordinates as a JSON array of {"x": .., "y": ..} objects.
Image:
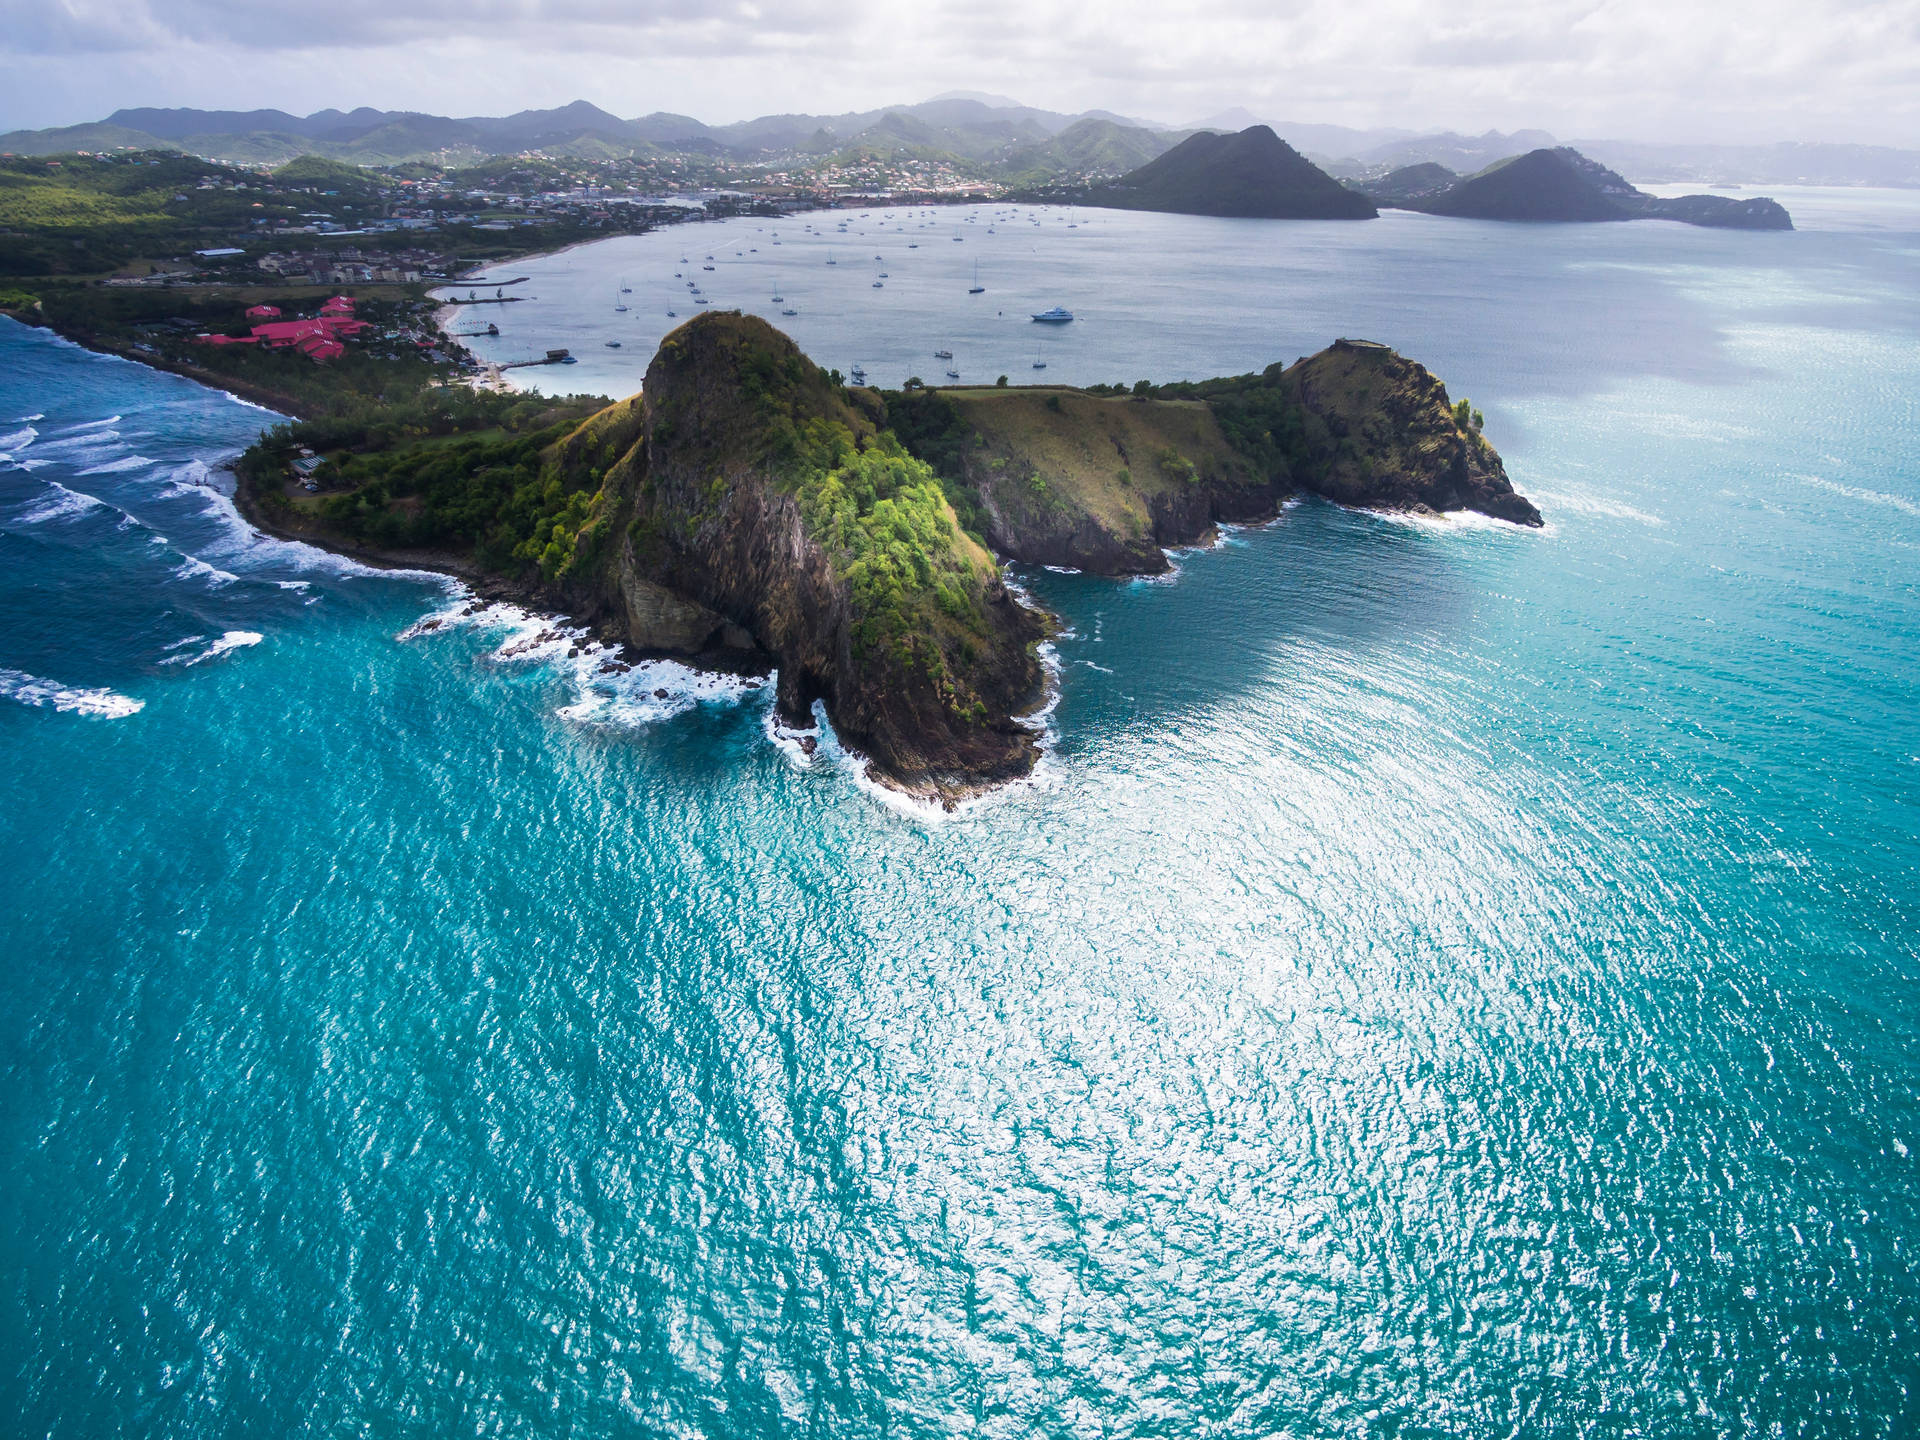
[
  {"x": 1561, "y": 184},
  {"x": 747, "y": 510}
]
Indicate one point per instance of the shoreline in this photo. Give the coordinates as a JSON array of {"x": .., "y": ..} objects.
[{"x": 99, "y": 345}]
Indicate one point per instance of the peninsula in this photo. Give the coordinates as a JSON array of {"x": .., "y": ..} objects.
[
  {"x": 747, "y": 510},
  {"x": 1561, "y": 184}
]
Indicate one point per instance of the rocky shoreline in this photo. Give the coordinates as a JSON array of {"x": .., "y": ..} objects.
[{"x": 747, "y": 514}]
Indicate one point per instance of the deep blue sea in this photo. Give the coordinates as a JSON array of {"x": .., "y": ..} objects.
[{"x": 1446, "y": 981}]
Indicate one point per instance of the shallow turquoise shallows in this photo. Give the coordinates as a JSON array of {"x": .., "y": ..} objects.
[{"x": 1446, "y": 981}]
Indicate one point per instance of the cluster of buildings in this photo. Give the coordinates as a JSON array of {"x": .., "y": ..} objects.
[
  {"x": 352, "y": 266},
  {"x": 319, "y": 339}
]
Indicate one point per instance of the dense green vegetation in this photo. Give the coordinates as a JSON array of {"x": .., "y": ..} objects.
[
  {"x": 881, "y": 515},
  {"x": 79, "y": 214},
  {"x": 1261, "y": 418},
  {"x": 451, "y": 469},
  {"x": 884, "y": 516},
  {"x": 929, "y": 426}
]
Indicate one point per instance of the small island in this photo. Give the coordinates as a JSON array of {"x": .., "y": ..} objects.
[{"x": 747, "y": 510}]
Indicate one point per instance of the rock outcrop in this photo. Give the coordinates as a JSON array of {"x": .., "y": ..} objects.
[
  {"x": 766, "y": 497},
  {"x": 1377, "y": 432}
]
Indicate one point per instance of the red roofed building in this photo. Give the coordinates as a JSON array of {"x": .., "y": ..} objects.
[
  {"x": 338, "y": 305},
  {"x": 278, "y": 334},
  {"x": 263, "y": 312},
  {"x": 320, "y": 349}
]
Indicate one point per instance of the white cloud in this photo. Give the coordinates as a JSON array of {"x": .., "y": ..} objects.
[{"x": 1771, "y": 69}]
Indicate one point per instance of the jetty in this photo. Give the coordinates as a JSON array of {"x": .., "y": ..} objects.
[{"x": 552, "y": 357}]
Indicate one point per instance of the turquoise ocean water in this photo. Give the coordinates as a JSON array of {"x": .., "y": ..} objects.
[{"x": 1446, "y": 981}]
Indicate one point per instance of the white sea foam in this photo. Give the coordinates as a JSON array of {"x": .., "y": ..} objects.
[
  {"x": 635, "y": 697},
  {"x": 241, "y": 542},
  {"x": 790, "y": 740},
  {"x": 918, "y": 808},
  {"x": 1583, "y": 504},
  {"x": 232, "y": 640},
  {"x": 1871, "y": 497},
  {"x": 115, "y": 467},
  {"x": 25, "y": 689},
  {"x": 1434, "y": 522},
  {"x": 91, "y": 425},
  {"x": 238, "y": 400},
  {"x": 59, "y": 503},
  {"x": 79, "y": 444},
  {"x": 18, "y": 439},
  {"x": 192, "y": 567},
  {"x": 529, "y": 637},
  {"x": 188, "y": 479},
  {"x": 29, "y": 419},
  {"x": 608, "y": 692}
]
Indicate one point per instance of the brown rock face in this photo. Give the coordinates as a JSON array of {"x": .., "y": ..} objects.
[
  {"x": 730, "y": 520},
  {"x": 1379, "y": 433}
]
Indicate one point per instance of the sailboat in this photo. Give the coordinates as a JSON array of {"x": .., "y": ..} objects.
[
  {"x": 620, "y": 305},
  {"x": 976, "y": 288},
  {"x": 1038, "y": 363},
  {"x": 625, "y": 289}
]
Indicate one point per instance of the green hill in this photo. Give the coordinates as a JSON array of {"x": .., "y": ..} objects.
[
  {"x": 1563, "y": 185},
  {"x": 1086, "y": 150},
  {"x": 1253, "y": 174}
]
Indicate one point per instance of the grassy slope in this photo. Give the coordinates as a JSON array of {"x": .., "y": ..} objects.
[
  {"x": 1061, "y": 476},
  {"x": 1105, "y": 457}
]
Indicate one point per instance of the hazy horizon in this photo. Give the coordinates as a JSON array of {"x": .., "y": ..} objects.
[{"x": 1634, "y": 70}]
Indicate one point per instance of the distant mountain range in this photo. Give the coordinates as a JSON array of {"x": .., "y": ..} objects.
[
  {"x": 998, "y": 138},
  {"x": 1015, "y": 137}
]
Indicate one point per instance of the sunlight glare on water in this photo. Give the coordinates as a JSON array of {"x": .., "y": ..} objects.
[{"x": 1448, "y": 980}]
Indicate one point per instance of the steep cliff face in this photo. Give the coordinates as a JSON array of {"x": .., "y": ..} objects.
[
  {"x": 768, "y": 499},
  {"x": 1377, "y": 431}
]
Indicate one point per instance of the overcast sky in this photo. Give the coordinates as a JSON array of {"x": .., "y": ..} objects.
[{"x": 1653, "y": 69}]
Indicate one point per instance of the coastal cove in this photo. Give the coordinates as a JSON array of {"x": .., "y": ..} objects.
[{"x": 1442, "y": 976}]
